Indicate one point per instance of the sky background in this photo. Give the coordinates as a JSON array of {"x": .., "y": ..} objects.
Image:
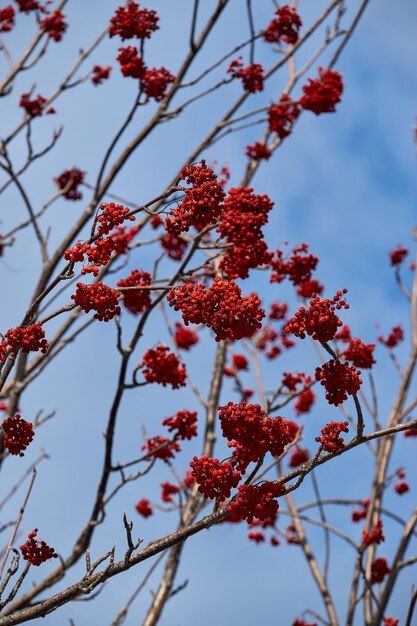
[{"x": 344, "y": 183}]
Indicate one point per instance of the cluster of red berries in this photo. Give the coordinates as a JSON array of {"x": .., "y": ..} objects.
[
  {"x": 252, "y": 433},
  {"x": 99, "y": 74},
  {"x": 285, "y": 27},
  {"x": 26, "y": 6},
  {"x": 163, "y": 367},
  {"x": 401, "y": 487},
  {"x": 215, "y": 479},
  {"x": 54, "y": 25},
  {"x": 130, "y": 21},
  {"x": 339, "y": 380},
  {"x": 394, "y": 338},
  {"x": 98, "y": 253},
  {"x": 322, "y": 94},
  {"x": 301, "y": 622},
  {"x": 242, "y": 219},
  {"x": 330, "y": 436},
  {"x": 305, "y": 399},
  {"x": 26, "y": 338},
  {"x": 360, "y": 354},
  {"x": 258, "y": 151},
  {"x": 160, "y": 448},
  {"x": 18, "y": 434},
  {"x": 33, "y": 107},
  {"x": 100, "y": 298},
  {"x": 319, "y": 320},
  {"x": 168, "y": 490},
  {"x": 174, "y": 246},
  {"x": 252, "y": 76},
  {"x": 184, "y": 337},
  {"x": 256, "y": 502},
  {"x": 122, "y": 237},
  {"x": 360, "y": 514},
  {"x": 202, "y": 203},
  {"x": 239, "y": 363},
  {"x": 220, "y": 307},
  {"x": 375, "y": 535},
  {"x": 131, "y": 65},
  {"x": 136, "y": 300},
  {"x": 298, "y": 457},
  {"x": 69, "y": 181},
  {"x": 6, "y": 19},
  {"x": 398, "y": 255},
  {"x": 144, "y": 508},
  {"x": 379, "y": 569},
  {"x": 278, "y": 311},
  {"x": 281, "y": 116},
  {"x": 153, "y": 82},
  {"x": 183, "y": 424},
  {"x": 35, "y": 551},
  {"x": 112, "y": 215},
  {"x": 297, "y": 267}
]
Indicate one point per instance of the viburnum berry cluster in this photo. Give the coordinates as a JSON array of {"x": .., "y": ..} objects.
[
  {"x": 168, "y": 490},
  {"x": 112, "y": 215},
  {"x": 6, "y": 19},
  {"x": 398, "y": 255},
  {"x": 54, "y": 25},
  {"x": 256, "y": 501},
  {"x": 100, "y": 74},
  {"x": 243, "y": 216},
  {"x": 143, "y": 507},
  {"x": 174, "y": 246},
  {"x": 130, "y": 21},
  {"x": 183, "y": 424},
  {"x": 18, "y": 434},
  {"x": 252, "y": 76},
  {"x": 136, "y": 300},
  {"x": 185, "y": 337},
  {"x": 299, "y": 456},
  {"x": 375, "y": 535},
  {"x": 202, "y": 203},
  {"x": 252, "y": 433},
  {"x": 285, "y": 27},
  {"x": 33, "y": 106},
  {"x": 339, "y": 380},
  {"x": 330, "y": 436},
  {"x": 26, "y": 338},
  {"x": 153, "y": 82},
  {"x": 282, "y": 116},
  {"x": 36, "y": 551},
  {"x": 220, "y": 307},
  {"x": 131, "y": 64},
  {"x": 159, "y": 447},
  {"x": 322, "y": 94},
  {"x": 297, "y": 267},
  {"x": 379, "y": 569},
  {"x": 360, "y": 354},
  {"x": 319, "y": 320},
  {"x": 394, "y": 338},
  {"x": 25, "y": 6},
  {"x": 215, "y": 479},
  {"x": 163, "y": 367},
  {"x": 69, "y": 181},
  {"x": 360, "y": 514},
  {"x": 258, "y": 151},
  {"x": 100, "y": 298}
]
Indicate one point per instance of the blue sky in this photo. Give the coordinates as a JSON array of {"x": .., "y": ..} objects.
[{"x": 344, "y": 183}]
